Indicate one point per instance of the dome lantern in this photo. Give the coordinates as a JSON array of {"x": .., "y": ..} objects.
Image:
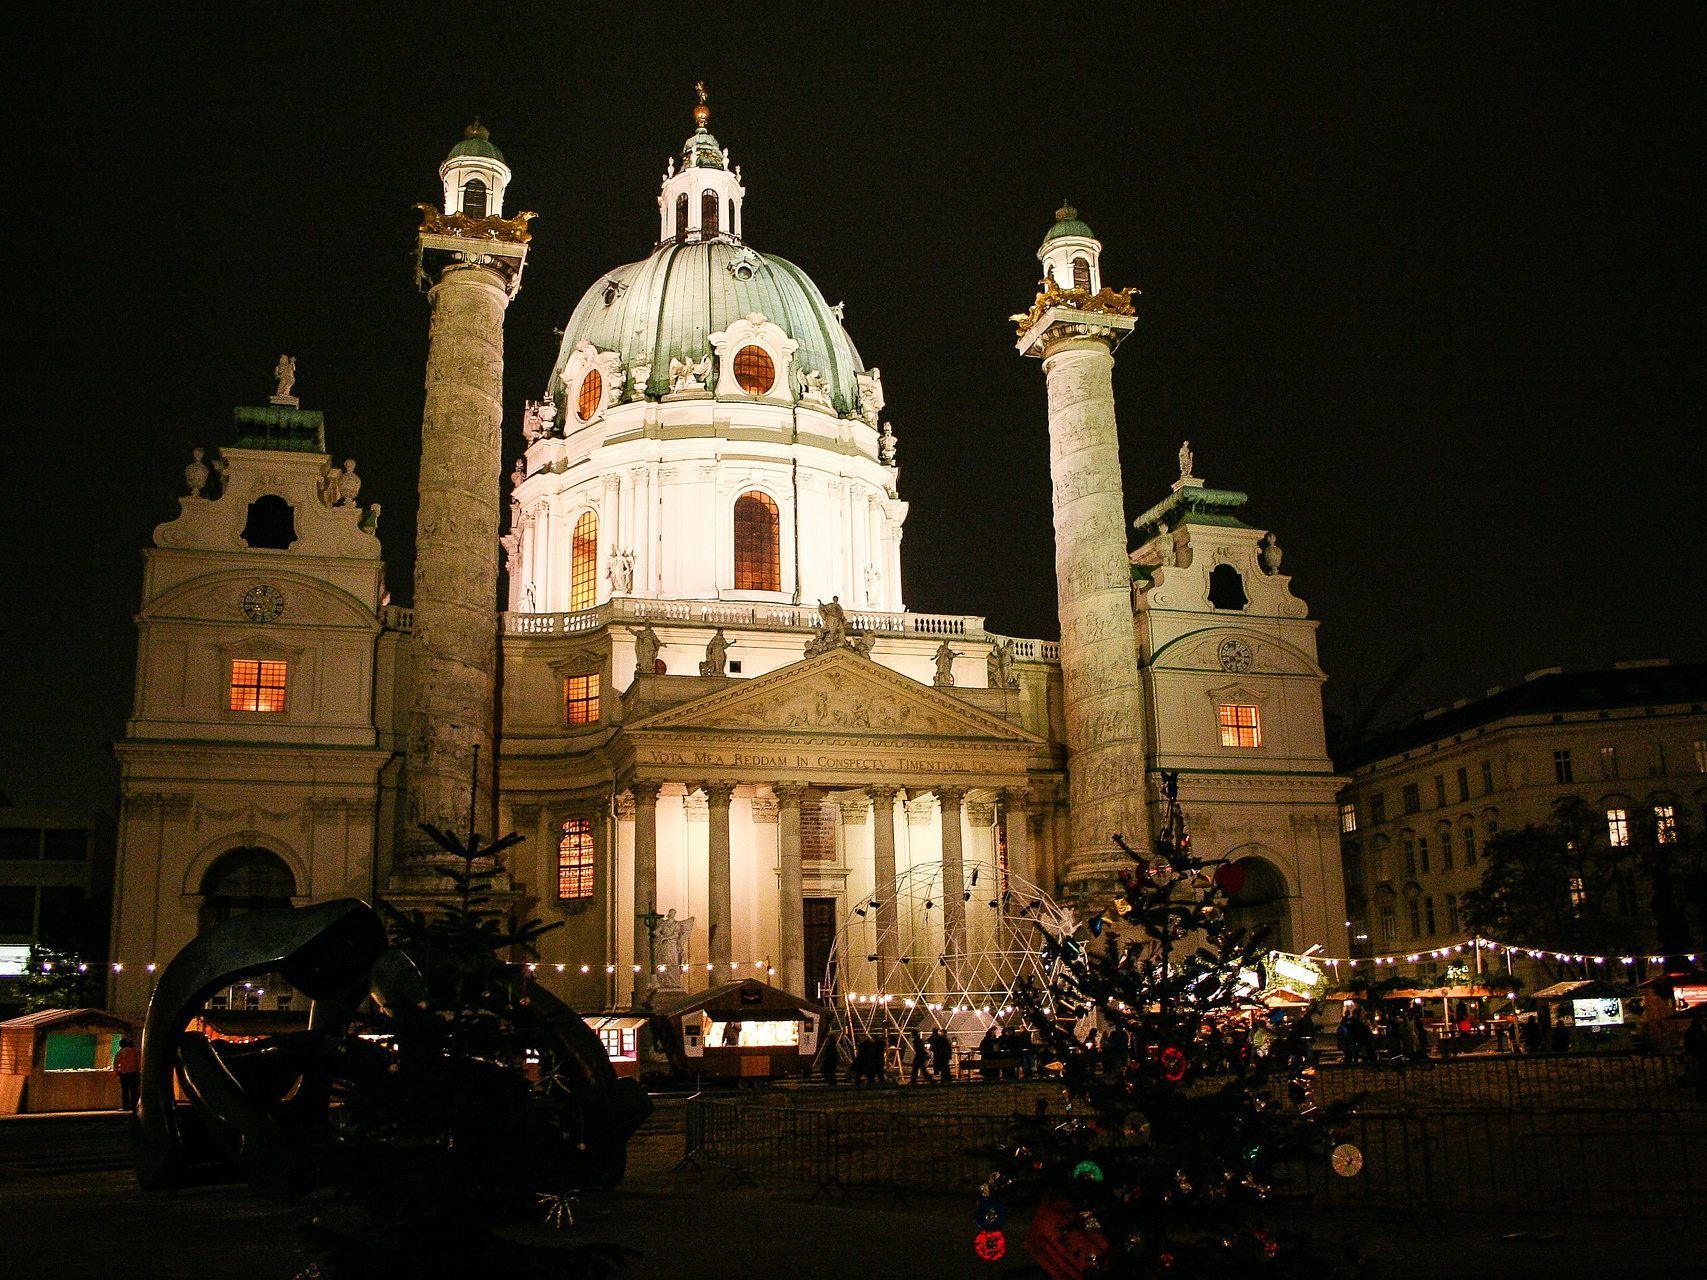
[
  {"x": 700, "y": 200},
  {"x": 1071, "y": 254},
  {"x": 475, "y": 175}
]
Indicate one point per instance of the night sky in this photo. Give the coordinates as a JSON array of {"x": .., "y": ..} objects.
[{"x": 1426, "y": 285}]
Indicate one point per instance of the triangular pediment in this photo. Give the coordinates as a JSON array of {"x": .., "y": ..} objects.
[{"x": 840, "y": 694}]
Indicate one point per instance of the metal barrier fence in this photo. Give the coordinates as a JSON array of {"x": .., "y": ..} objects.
[{"x": 1610, "y": 1081}]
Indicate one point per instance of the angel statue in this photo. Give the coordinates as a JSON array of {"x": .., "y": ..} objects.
[
  {"x": 285, "y": 372},
  {"x": 670, "y": 943}
]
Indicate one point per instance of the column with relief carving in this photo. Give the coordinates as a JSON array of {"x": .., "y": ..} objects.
[
  {"x": 717, "y": 796},
  {"x": 883, "y": 881},
  {"x": 790, "y": 885},
  {"x": 645, "y": 880},
  {"x": 953, "y": 878},
  {"x": 1016, "y": 827}
]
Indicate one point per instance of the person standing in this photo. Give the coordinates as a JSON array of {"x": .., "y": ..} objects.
[
  {"x": 127, "y": 1066},
  {"x": 830, "y": 1056},
  {"x": 921, "y": 1057},
  {"x": 942, "y": 1057}
]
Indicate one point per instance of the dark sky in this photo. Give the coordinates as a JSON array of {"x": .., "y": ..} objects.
[{"x": 1426, "y": 281}]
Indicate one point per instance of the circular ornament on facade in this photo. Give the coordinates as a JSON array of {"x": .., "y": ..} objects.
[
  {"x": 590, "y": 396},
  {"x": 754, "y": 370},
  {"x": 1347, "y": 1160},
  {"x": 1235, "y": 655},
  {"x": 262, "y": 602}
]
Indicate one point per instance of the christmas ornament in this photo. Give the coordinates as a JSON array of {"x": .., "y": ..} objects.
[
  {"x": 1136, "y": 1127},
  {"x": 1347, "y": 1160},
  {"x": 1229, "y": 877},
  {"x": 991, "y": 1246},
  {"x": 1174, "y": 1064},
  {"x": 990, "y": 1213},
  {"x": 1088, "y": 1171}
]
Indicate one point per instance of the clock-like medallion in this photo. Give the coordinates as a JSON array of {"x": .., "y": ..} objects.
[
  {"x": 262, "y": 602},
  {"x": 1235, "y": 655}
]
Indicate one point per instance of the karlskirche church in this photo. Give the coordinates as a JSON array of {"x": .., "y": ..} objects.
[{"x": 708, "y": 702}]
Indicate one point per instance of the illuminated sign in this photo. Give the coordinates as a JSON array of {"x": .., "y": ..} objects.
[
  {"x": 13, "y": 959},
  {"x": 1686, "y": 997},
  {"x": 1598, "y": 1013}
]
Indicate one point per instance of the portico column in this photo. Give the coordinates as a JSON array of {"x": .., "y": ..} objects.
[
  {"x": 717, "y": 796},
  {"x": 789, "y": 888},
  {"x": 645, "y": 879},
  {"x": 883, "y": 881},
  {"x": 953, "y": 878},
  {"x": 1016, "y": 825}
]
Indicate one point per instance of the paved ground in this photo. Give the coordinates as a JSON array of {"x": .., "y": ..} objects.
[{"x": 69, "y": 1209}]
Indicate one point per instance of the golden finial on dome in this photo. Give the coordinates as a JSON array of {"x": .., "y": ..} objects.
[
  {"x": 1066, "y": 212},
  {"x": 701, "y": 112},
  {"x": 477, "y": 130}
]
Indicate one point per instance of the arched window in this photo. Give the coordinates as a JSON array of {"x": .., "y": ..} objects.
[
  {"x": 245, "y": 879},
  {"x": 1260, "y": 902},
  {"x": 474, "y": 198},
  {"x": 682, "y": 216},
  {"x": 575, "y": 861},
  {"x": 758, "y": 543},
  {"x": 584, "y": 562},
  {"x": 754, "y": 370},
  {"x": 709, "y": 205},
  {"x": 590, "y": 396},
  {"x": 272, "y": 523},
  {"x": 731, "y": 222},
  {"x": 1081, "y": 274},
  {"x": 1226, "y": 588}
]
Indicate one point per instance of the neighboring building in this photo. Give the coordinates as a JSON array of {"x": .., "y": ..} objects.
[
  {"x": 711, "y": 697},
  {"x": 1424, "y": 799},
  {"x": 56, "y": 882}
]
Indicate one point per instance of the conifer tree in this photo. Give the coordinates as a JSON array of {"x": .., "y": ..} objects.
[{"x": 1166, "y": 1164}]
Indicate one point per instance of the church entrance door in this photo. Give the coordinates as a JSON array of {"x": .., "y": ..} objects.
[{"x": 820, "y": 919}]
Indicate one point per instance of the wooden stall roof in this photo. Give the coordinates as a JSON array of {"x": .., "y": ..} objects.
[
  {"x": 62, "y": 1019},
  {"x": 754, "y": 1000}
]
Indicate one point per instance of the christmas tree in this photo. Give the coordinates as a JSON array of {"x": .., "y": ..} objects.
[{"x": 1165, "y": 1163}]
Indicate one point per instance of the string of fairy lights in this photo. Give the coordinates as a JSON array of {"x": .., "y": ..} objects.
[{"x": 765, "y": 968}]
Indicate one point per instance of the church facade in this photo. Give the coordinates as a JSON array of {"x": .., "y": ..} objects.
[{"x": 707, "y": 703}]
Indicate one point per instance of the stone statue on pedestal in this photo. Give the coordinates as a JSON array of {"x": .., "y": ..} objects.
[
  {"x": 716, "y": 655},
  {"x": 621, "y": 572},
  {"x": 349, "y": 484},
  {"x": 285, "y": 372},
  {"x": 670, "y": 947},
  {"x": 646, "y": 647},
  {"x": 1185, "y": 460},
  {"x": 1000, "y": 666},
  {"x": 944, "y": 678}
]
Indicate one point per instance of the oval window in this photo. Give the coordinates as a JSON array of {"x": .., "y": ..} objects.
[
  {"x": 591, "y": 395},
  {"x": 754, "y": 370}
]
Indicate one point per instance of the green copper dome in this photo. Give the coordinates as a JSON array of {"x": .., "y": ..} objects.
[
  {"x": 668, "y": 306},
  {"x": 477, "y": 141},
  {"x": 1067, "y": 224}
]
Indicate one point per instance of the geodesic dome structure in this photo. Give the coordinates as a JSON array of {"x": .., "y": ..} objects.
[{"x": 962, "y": 990}]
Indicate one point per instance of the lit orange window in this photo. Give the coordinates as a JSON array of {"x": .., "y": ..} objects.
[
  {"x": 590, "y": 396},
  {"x": 257, "y": 686},
  {"x": 575, "y": 860},
  {"x": 581, "y": 700},
  {"x": 584, "y": 559},
  {"x": 758, "y": 546},
  {"x": 1241, "y": 726},
  {"x": 754, "y": 370}
]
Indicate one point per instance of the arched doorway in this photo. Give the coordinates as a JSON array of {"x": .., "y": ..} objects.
[
  {"x": 1262, "y": 902},
  {"x": 247, "y": 878}
]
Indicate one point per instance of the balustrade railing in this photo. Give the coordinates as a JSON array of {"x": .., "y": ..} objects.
[{"x": 728, "y": 613}]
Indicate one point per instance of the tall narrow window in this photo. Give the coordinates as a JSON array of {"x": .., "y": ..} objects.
[
  {"x": 1422, "y": 855},
  {"x": 1081, "y": 274},
  {"x": 1452, "y": 913},
  {"x": 257, "y": 685},
  {"x": 1348, "y": 817},
  {"x": 474, "y": 198},
  {"x": 1618, "y": 827},
  {"x": 1656, "y": 759},
  {"x": 1701, "y": 755},
  {"x": 575, "y": 861},
  {"x": 1412, "y": 797},
  {"x": 1487, "y": 777},
  {"x": 709, "y": 206},
  {"x": 1609, "y": 762},
  {"x": 1665, "y": 824},
  {"x": 1562, "y": 766},
  {"x": 1469, "y": 846},
  {"x": 1446, "y": 849},
  {"x": 584, "y": 562},
  {"x": 758, "y": 543},
  {"x": 1410, "y": 854},
  {"x": 1378, "y": 808},
  {"x": 1241, "y": 725},
  {"x": 1463, "y": 784},
  {"x": 682, "y": 216},
  {"x": 581, "y": 699},
  {"x": 1439, "y": 790}
]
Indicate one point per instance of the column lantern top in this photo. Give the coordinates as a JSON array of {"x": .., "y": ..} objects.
[{"x": 1072, "y": 301}]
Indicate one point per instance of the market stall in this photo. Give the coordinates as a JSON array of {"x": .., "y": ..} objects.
[
  {"x": 745, "y": 1030},
  {"x": 60, "y": 1060}
]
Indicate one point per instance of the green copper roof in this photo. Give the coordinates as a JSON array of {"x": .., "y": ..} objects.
[
  {"x": 1067, "y": 224},
  {"x": 1193, "y": 505},
  {"x": 669, "y": 304},
  {"x": 702, "y": 151},
  {"x": 277, "y": 426},
  {"x": 477, "y": 141}
]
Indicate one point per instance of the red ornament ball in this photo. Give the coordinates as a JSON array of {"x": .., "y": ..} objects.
[
  {"x": 991, "y": 1246},
  {"x": 1229, "y": 877},
  {"x": 1174, "y": 1064}
]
